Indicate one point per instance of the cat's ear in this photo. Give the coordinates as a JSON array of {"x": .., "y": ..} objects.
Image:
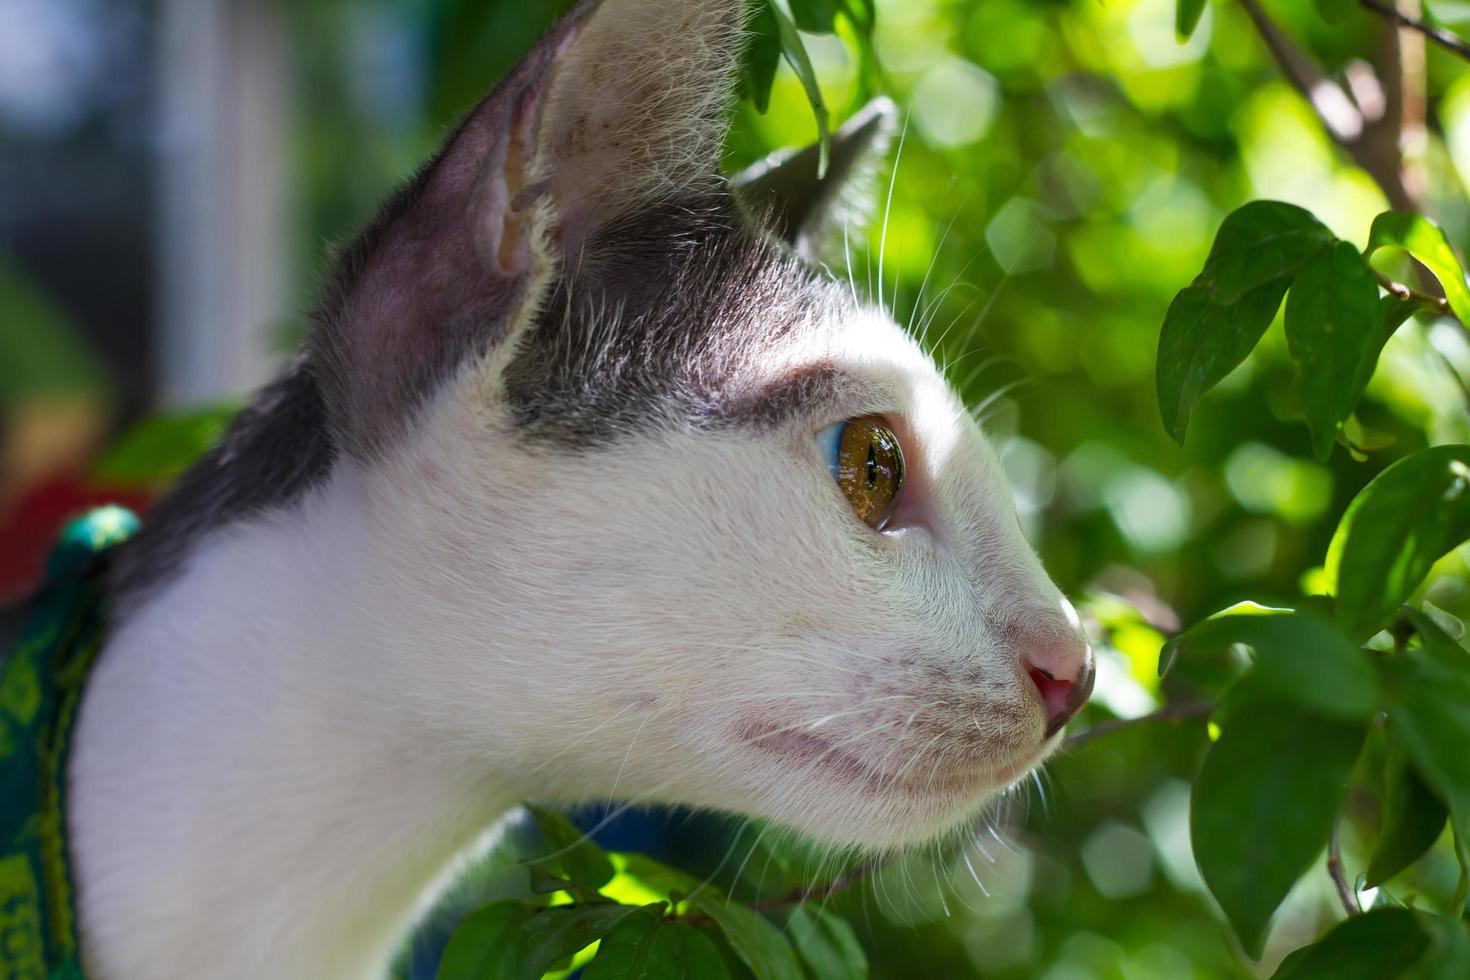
[
  {"x": 621, "y": 104},
  {"x": 785, "y": 193}
]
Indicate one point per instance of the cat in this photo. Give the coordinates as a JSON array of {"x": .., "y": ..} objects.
[{"x": 586, "y": 485}]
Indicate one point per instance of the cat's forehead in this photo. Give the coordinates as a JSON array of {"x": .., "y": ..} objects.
[{"x": 687, "y": 314}]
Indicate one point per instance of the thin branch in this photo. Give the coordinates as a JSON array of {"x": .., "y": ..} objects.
[
  {"x": 1173, "y": 712},
  {"x": 1339, "y": 877},
  {"x": 1445, "y": 39},
  {"x": 1438, "y": 304},
  {"x": 806, "y": 893},
  {"x": 1372, "y": 145}
]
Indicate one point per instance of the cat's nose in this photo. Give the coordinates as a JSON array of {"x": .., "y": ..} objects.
[{"x": 1060, "y": 664}]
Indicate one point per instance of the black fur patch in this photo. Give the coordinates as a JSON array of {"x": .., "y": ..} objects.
[
  {"x": 274, "y": 451},
  {"x": 664, "y": 319}
]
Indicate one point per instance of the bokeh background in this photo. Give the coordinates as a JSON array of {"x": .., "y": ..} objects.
[{"x": 173, "y": 172}]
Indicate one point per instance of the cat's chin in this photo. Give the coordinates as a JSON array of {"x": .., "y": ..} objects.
[{"x": 866, "y": 804}]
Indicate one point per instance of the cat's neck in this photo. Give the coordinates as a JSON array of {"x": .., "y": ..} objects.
[{"x": 248, "y": 796}]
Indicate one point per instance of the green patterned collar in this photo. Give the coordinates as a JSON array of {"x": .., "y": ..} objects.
[{"x": 41, "y": 682}]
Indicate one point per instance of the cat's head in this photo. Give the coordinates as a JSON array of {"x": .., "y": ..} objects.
[{"x": 633, "y": 466}]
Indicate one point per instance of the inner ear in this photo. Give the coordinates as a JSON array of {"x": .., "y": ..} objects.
[{"x": 801, "y": 207}]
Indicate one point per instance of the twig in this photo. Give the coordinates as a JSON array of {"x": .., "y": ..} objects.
[
  {"x": 806, "y": 893},
  {"x": 1339, "y": 877},
  {"x": 1445, "y": 39},
  {"x": 1438, "y": 304},
  {"x": 1372, "y": 144},
  {"x": 1174, "y": 712}
]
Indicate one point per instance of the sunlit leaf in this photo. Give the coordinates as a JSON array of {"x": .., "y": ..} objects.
[
  {"x": 1424, "y": 240},
  {"x": 827, "y": 944},
  {"x": 1376, "y": 946},
  {"x": 759, "y": 944},
  {"x": 1334, "y": 331},
  {"x": 1394, "y": 531},
  {"x": 571, "y": 850},
  {"x": 1299, "y": 657},
  {"x": 555, "y": 933},
  {"x": 1413, "y": 818},
  {"x": 796, "y": 56},
  {"x": 161, "y": 447},
  {"x": 1264, "y": 804},
  {"x": 1216, "y": 321},
  {"x": 485, "y": 945}
]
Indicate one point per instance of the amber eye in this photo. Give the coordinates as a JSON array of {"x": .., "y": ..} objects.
[{"x": 868, "y": 464}]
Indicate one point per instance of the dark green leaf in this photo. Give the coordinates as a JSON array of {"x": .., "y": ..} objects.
[
  {"x": 642, "y": 948},
  {"x": 1377, "y": 946},
  {"x": 702, "y": 958},
  {"x": 1215, "y": 322},
  {"x": 814, "y": 16},
  {"x": 160, "y": 448},
  {"x": 1413, "y": 818},
  {"x": 1429, "y": 715},
  {"x": 759, "y": 944},
  {"x": 484, "y": 945},
  {"x": 1334, "y": 331},
  {"x": 1448, "y": 957},
  {"x": 1264, "y": 805},
  {"x": 1424, "y": 240},
  {"x": 1394, "y": 531},
  {"x": 1299, "y": 658},
  {"x": 827, "y": 944},
  {"x": 1186, "y": 17},
  {"x": 762, "y": 56},
  {"x": 571, "y": 850},
  {"x": 796, "y": 56},
  {"x": 553, "y": 934},
  {"x": 1393, "y": 311},
  {"x": 1335, "y": 11}
]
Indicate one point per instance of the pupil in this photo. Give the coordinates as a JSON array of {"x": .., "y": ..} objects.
[{"x": 872, "y": 468}]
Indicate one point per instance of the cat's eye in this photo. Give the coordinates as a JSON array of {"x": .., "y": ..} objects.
[{"x": 867, "y": 462}]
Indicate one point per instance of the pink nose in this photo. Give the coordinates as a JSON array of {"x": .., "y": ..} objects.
[{"x": 1062, "y": 670}]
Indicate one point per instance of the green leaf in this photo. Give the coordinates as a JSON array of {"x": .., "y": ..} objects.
[
  {"x": 160, "y": 448},
  {"x": 760, "y": 945},
  {"x": 484, "y": 945},
  {"x": 762, "y": 57},
  {"x": 1264, "y": 805},
  {"x": 1376, "y": 946},
  {"x": 1394, "y": 531},
  {"x": 814, "y": 16},
  {"x": 1449, "y": 955},
  {"x": 1413, "y": 818},
  {"x": 1216, "y": 321},
  {"x": 1335, "y": 11},
  {"x": 1299, "y": 658},
  {"x": 581, "y": 860},
  {"x": 642, "y": 948},
  {"x": 795, "y": 52},
  {"x": 827, "y": 944},
  {"x": 553, "y": 934},
  {"x": 1186, "y": 17},
  {"x": 1334, "y": 331},
  {"x": 1429, "y": 716},
  {"x": 702, "y": 957},
  {"x": 1425, "y": 241},
  {"x": 1393, "y": 311}
]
